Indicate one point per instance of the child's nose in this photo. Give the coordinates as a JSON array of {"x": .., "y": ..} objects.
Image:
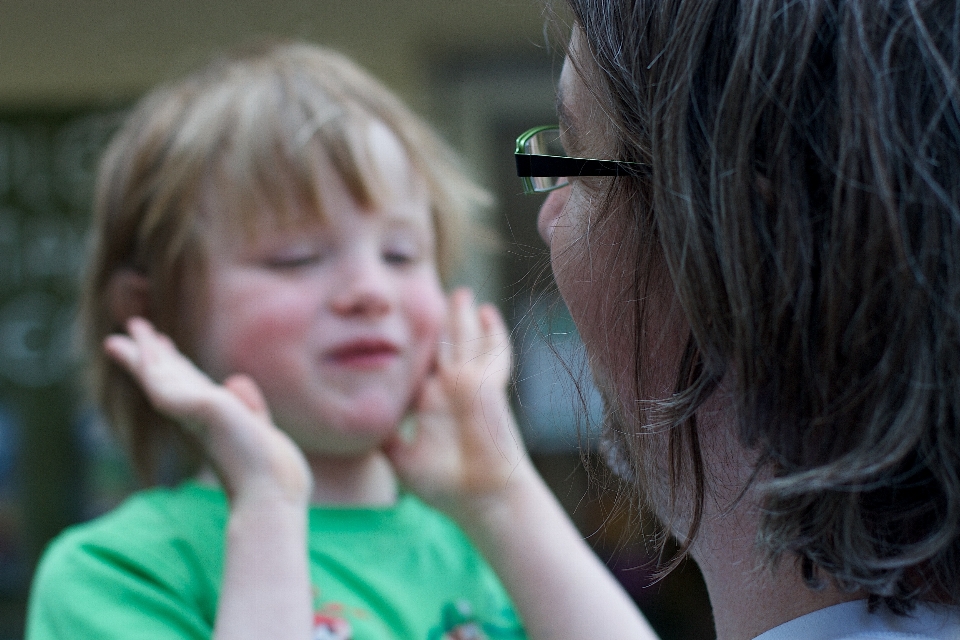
[{"x": 365, "y": 291}]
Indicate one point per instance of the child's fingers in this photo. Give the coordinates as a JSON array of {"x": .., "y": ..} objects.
[
  {"x": 173, "y": 384},
  {"x": 160, "y": 360},
  {"x": 496, "y": 343},
  {"x": 478, "y": 334},
  {"x": 138, "y": 347},
  {"x": 460, "y": 302},
  {"x": 123, "y": 351},
  {"x": 143, "y": 328},
  {"x": 445, "y": 350},
  {"x": 153, "y": 344},
  {"x": 249, "y": 394},
  {"x": 231, "y": 420},
  {"x": 477, "y": 339},
  {"x": 491, "y": 322},
  {"x": 495, "y": 333},
  {"x": 464, "y": 326},
  {"x": 449, "y": 349}
]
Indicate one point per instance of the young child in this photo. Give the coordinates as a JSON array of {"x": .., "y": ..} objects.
[{"x": 280, "y": 223}]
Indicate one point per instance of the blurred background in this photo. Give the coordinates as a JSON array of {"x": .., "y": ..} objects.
[{"x": 481, "y": 71}]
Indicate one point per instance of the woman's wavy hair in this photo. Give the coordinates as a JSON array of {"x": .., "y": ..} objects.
[
  {"x": 805, "y": 192},
  {"x": 242, "y": 136}
]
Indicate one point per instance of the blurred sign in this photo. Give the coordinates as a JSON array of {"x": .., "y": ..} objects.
[{"x": 47, "y": 166}]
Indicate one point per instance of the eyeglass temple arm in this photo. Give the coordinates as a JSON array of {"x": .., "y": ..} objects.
[{"x": 537, "y": 166}]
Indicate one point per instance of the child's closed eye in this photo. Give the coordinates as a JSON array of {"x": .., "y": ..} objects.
[
  {"x": 402, "y": 252},
  {"x": 399, "y": 258},
  {"x": 294, "y": 259}
]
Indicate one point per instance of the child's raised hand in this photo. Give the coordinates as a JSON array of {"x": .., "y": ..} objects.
[
  {"x": 466, "y": 448},
  {"x": 253, "y": 457}
]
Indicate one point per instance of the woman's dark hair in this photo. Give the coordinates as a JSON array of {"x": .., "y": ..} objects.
[{"x": 805, "y": 192}]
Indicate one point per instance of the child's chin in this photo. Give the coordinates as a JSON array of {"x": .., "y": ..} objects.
[
  {"x": 351, "y": 438},
  {"x": 371, "y": 421},
  {"x": 349, "y": 430},
  {"x": 342, "y": 447}
]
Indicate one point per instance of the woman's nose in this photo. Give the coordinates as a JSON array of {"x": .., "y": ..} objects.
[{"x": 550, "y": 212}]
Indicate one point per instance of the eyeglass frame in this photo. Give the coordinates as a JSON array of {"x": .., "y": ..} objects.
[{"x": 531, "y": 165}]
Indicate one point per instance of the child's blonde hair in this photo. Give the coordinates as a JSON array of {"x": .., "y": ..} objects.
[{"x": 244, "y": 128}]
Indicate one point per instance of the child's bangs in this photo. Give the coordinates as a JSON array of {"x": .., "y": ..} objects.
[
  {"x": 279, "y": 157},
  {"x": 295, "y": 117},
  {"x": 340, "y": 144}
]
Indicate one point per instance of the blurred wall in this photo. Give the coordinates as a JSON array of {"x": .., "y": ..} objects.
[
  {"x": 460, "y": 63},
  {"x": 55, "y": 53}
]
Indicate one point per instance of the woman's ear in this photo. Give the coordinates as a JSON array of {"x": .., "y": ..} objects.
[{"x": 128, "y": 294}]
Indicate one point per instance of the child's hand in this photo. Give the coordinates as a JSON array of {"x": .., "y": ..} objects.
[
  {"x": 466, "y": 448},
  {"x": 253, "y": 457}
]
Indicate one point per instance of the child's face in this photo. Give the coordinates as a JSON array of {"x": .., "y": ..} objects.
[{"x": 337, "y": 322}]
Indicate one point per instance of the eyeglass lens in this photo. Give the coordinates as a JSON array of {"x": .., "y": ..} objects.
[{"x": 546, "y": 143}]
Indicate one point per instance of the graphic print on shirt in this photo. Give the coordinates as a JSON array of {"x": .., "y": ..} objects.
[
  {"x": 327, "y": 627},
  {"x": 330, "y": 620},
  {"x": 458, "y": 622}
]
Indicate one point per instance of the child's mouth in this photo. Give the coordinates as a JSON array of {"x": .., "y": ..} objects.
[{"x": 365, "y": 354}]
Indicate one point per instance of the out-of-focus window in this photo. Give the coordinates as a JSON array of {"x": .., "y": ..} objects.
[{"x": 57, "y": 464}]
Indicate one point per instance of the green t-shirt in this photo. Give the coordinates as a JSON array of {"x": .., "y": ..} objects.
[{"x": 152, "y": 569}]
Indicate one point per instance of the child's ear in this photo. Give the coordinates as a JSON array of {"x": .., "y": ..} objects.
[{"x": 128, "y": 294}]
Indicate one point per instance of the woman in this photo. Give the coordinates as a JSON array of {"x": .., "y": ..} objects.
[{"x": 769, "y": 292}]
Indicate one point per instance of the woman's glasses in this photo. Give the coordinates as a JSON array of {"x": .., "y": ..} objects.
[{"x": 542, "y": 164}]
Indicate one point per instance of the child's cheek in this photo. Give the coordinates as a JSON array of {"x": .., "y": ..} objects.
[{"x": 260, "y": 330}]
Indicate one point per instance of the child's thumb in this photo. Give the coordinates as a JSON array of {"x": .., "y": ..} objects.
[{"x": 244, "y": 388}]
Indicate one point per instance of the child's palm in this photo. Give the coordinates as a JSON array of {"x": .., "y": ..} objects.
[
  {"x": 466, "y": 444},
  {"x": 231, "y": 420}
]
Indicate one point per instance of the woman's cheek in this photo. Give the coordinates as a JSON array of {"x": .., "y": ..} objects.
[
  {"x": 593, "y": 263},
  {"x": 563, "y": 223},
  {"x": 550, "y": 213}
]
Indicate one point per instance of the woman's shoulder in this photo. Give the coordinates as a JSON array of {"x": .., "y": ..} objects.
[{"x": 856, "y": 621}]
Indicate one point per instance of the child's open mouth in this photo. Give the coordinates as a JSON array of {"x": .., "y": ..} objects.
[{"x": 365, "y": 354}]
